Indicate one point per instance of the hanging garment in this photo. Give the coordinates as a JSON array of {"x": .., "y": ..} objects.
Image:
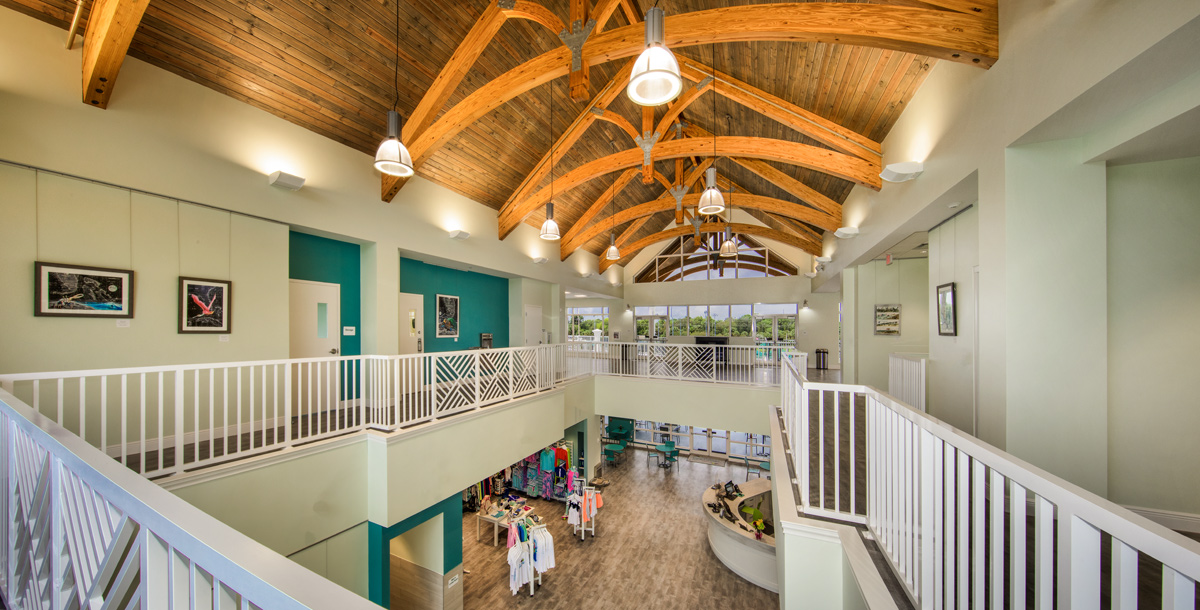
[
  {"x": 547, "y": 485},
  {"x": 574, "y": 509},
  {"x": 570, "y": 480},
  {"x": 543, "y": 550},
  {"x": 561, "y": 455},
  {"x": 520, "y": 567},
  {"x": 547, "y": 460},
  {"x": 599, "y": 502}
]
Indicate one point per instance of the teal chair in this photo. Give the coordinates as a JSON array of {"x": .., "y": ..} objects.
[
  {"x": 672, "y": 457},
  {"x": 751, "y": 467}
]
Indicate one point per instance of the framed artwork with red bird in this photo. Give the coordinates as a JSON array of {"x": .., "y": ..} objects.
[{"x": 204, "y": 306}]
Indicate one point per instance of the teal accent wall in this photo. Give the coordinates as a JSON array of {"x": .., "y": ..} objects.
[
  {"x": 318, "y": 259},
  {"x": 379, "y": 539},
  {"x": 483, "y": 303}
]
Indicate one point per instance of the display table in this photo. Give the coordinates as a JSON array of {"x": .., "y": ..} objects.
[
  {"x": 749, "y": 558},
  {"x": 497, "y": 522}
]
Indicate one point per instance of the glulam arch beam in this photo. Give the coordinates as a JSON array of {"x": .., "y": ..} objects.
[
  {"x": 942, "y": 34},
  {"x": 632, "y": 249},
  {"x": 854, "y": 169},
  {"x": 746, "y": 201}
]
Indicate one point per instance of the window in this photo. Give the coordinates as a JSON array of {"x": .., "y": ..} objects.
[
  {"x": 718, "y": 316},
  {"x": 742, "y": 320},
  {"x": 698, "y": 320},
  {"x": 679, "y": 320},
  {"x": 583, "y": 321}
]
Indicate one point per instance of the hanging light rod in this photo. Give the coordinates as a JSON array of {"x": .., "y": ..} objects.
[
  {"x": 393, "y": 158},
  {"x": 655, "y": 78}
]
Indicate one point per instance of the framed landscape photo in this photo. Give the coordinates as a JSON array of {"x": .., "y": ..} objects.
[
  {"x": 947, "y": 316},
  {"x": 204, "y": 306},
  {"x": 887, "y": 320},
  {"x": 447, "y": 317},
  {"x": 76, "y": 291}
]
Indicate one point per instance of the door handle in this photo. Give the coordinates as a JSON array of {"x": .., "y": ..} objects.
[{"x": 333, "y": 351}]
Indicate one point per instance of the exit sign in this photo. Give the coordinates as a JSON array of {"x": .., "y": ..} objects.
[{"x": 889, "y": 259}]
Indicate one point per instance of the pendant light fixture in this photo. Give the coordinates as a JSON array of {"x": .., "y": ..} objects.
[
  {"x": 729, "y": 248},
  {"x": 655, "y": 77},
  {"x": 392, "y": 158},
  {"x": 613, "y": 253},
  {"x": 549, "y": 227},
  {"x": 711, "y": 201}
]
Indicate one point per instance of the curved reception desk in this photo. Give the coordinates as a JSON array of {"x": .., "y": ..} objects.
[{"x": 737, "y": 548}]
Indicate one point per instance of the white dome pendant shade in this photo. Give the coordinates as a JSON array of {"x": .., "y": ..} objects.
[
  {"x": 655, "y": 77},
  {"x": 613, "y": 254},
  {"x": 728, "y": 248},
  {"x": 393, "y": 158},
  {"x": 550, "y": 228},
  {"x": 711, "y": 200}
]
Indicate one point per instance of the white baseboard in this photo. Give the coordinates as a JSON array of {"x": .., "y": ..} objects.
[{"x": 1180, "y": 522}]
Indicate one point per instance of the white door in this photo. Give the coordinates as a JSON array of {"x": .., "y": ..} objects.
[
  {"x": 412, "y": 323},
  {"x": 533, "y": 325},
  {"x": 316, "y": 321}
]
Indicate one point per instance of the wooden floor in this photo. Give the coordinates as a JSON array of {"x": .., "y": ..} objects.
[{"x": 651, "y": 550}]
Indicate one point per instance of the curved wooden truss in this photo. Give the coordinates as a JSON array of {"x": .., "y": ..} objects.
[
  {"x": 756, "y": 202},
  {"x": 951, "y": 35},
  {"x": 838, "y": 164},
  {"x": 628, "y": 252}
]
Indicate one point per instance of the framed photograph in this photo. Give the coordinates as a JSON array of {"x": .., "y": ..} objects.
[
  {"x": 447, "y": 317},
  {"x": 76, "y": 291},
  {"x": 887, "y": 320},
  {"x": 946, "y": 312},
  {"x": 204, "y": 306}
]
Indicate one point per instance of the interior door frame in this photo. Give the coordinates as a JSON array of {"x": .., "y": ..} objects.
[{"x": 335, "y": 329}]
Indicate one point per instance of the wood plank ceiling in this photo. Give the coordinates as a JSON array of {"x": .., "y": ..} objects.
[{"x": 328, "y": 66}]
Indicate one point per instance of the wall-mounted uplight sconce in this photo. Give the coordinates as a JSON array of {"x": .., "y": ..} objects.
[
  {"x": 459, "y": 234},
  {"x": 824, "y": 259},
  {"x": 586, "y": 274},
  {"x": 810, "y": 275},
  {"x": 846, "y": 232},
  {"x": 285, "y": 181},
  {"x": 805, "y": 305},
  {"x": 616, "y": 284},
  {"x": 540, "y": 260},
  {"x": 902, "y": 171}
]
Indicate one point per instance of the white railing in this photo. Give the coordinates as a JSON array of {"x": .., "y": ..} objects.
[
  {"x": 82, "y": 531},
  {"x": 164, "y": 420},
  {"x": 964, "y": 524},
  {"x": 906, "y": 378},
  {"x": 741, "y": 364}
]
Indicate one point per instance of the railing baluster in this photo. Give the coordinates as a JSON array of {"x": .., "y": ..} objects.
[
  {"x": 996, "y": 544},
  {"x": 142, "y": 423},
  {"x": 949, "y": 521},
  {"x": 103, "y": 413},
  {"x": 1124, "y": 575},
  {"x": 1016, "y": 544},
  {"x": 928, "y": 481},
  {"x": 1043, "y": 536},
  {"x": 963, "y": 497},
  {"x": 124, "y": 418},
  {"x": 1179, "y": 591},
  {"x": 177, "y": 465}
]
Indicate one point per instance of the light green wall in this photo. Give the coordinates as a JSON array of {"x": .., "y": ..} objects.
[
  {"x": 905, "y": 281},
  {"x": 1152, "y": 334},
  {"x": 950, "y": 372},
  {"x": 342, "y": 559},
  {"x": 426, "y": 468},
  {"x": 1057, "y": 334},
  {"x": 292, "y": 504},
  {"x": 421, "y": 545},
  {"x": 63, "y": 220},
  {"x": 705, "y": 405}
]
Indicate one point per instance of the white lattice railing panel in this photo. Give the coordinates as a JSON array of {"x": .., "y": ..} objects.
[
  {"x": 494, "y": 382},
  {"x": 698, "y": 363},
  {"x": 525, "y": 370},
  {"x": 455, "y": 381},
  {"x": 663, "y": 360}
]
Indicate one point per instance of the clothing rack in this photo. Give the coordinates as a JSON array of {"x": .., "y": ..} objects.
[
  {"x": 531, "y": 529},
  {"x": 587, "y": 498}
]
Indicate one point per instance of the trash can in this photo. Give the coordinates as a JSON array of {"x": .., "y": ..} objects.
[{"x": 822, "y": 359}]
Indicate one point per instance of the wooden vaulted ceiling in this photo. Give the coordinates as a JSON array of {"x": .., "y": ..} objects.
[{"x": 804, "y": 93}]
